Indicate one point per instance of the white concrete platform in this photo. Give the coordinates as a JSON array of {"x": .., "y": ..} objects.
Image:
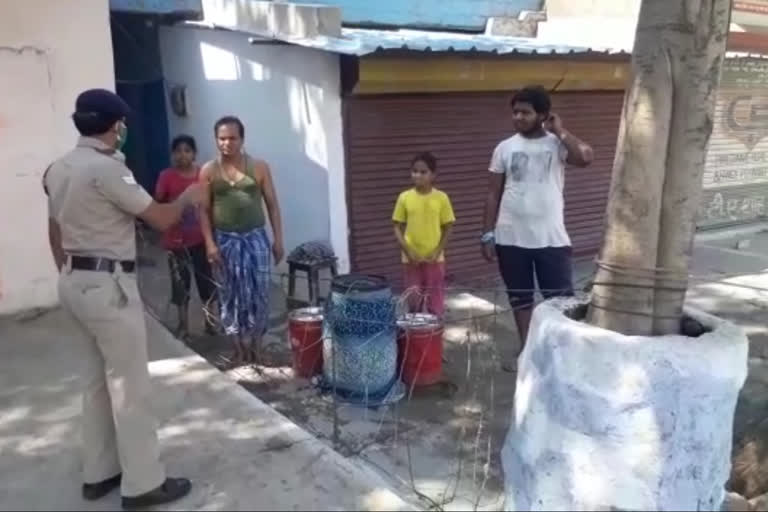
[
  {"x": 604, "y": 421},
  {"x": 239, "y": 453}
]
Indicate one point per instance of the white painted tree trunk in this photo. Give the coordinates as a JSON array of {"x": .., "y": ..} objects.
[{"x": 656, "y": 186}]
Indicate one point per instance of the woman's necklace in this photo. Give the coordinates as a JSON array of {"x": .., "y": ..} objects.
[{"x": 228, "y": 174}]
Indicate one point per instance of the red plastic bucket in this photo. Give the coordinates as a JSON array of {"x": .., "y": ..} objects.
[
  {"x": 420, "y": 349},
  {"x": 305, "y": 329}
]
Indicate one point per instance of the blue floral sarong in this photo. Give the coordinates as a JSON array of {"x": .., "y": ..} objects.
[{"x": 244, "y": 277}]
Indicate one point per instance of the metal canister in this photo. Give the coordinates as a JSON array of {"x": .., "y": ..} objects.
[
  {"x": 305, "y": 329},
  {"x": 420, "y": 349}
]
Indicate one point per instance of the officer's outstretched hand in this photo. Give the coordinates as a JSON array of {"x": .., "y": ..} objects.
[{"x": 192, "y": 195}]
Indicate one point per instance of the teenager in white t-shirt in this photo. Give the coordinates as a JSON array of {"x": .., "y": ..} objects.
[{"x": 524, "y": 224}]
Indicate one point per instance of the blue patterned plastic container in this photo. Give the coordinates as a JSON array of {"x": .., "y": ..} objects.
[{"x": 360, "y": 341}]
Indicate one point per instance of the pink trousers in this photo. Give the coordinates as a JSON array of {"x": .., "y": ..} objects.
[{"x": 425, "y": 283}]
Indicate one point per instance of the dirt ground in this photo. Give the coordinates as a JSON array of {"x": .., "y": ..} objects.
[{"x": 442, "y": 443}]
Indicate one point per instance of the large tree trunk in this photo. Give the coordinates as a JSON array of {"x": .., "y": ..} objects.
[{"x": 667, "y": 120}]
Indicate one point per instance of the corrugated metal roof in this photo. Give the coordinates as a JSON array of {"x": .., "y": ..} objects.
[{"x": 361, "y": 42}]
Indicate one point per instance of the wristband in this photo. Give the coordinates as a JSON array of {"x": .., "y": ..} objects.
[{"x": 488, "y": 237}]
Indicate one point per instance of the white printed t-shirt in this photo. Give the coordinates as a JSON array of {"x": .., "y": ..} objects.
[{"x": 531, "y": 210}]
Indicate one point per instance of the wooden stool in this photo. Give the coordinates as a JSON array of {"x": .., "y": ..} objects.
[{"x": 312, "y": 271}]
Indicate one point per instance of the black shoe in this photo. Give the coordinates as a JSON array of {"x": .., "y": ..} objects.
[
  {"x": 171, "y": 490},
  {"x": 93, "y": 492}
]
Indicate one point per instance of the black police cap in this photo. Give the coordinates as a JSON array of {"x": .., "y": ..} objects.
[{"x": 102, "y": 101}]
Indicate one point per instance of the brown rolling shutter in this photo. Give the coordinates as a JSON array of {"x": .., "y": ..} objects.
[
  {"x": 736, "y": 169},
  {"x": 383, "y": 133}
]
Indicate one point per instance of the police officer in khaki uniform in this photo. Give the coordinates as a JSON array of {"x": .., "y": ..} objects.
[{"x": 93, "y": 201}]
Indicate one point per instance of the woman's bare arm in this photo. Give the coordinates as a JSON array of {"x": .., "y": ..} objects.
[{"x": 273, "y": 208}]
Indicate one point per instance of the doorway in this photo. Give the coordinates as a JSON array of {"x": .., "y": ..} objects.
[{"x": 140, "y": 82}]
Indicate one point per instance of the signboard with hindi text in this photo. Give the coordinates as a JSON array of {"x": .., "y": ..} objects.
[{"x": 736, "y": 170}]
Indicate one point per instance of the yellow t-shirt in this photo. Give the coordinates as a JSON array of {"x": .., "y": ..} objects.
[{"x": 424, "y": 216}]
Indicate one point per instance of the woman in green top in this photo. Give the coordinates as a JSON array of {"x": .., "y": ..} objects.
[{"x": 235, "y": 186}]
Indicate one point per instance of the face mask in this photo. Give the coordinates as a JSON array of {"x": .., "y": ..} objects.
[{"x": 122, "y": 136}]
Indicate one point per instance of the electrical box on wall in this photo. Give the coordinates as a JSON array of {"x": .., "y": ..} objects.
[{"x": 178, "y": 100}]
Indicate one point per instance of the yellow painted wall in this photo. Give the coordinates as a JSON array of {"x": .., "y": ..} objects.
[{"x": 454, "y": 74}]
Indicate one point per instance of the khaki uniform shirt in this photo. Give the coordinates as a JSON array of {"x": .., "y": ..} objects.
[{"x": 95, "y": 200}]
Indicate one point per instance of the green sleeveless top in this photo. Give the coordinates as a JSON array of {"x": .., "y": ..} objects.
[{"x": 237, "y": 207}]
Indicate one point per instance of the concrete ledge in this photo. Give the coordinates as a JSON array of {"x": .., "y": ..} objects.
[
  {"x": 281, "y": 20},
  {"x": 525, "y": 25},
  {"x": 349, "y": 485},
  {"x": 710, "y": 235}
]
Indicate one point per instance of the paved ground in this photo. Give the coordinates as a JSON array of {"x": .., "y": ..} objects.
[
  {"x": 240, "y": 453},
  {"x": 442, "y": 443}
]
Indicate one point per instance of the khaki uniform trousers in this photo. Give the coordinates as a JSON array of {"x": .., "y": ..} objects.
[{"x": 119, "y": 431}]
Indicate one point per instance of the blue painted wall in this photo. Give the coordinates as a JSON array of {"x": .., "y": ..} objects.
[
  {"x": 157, "y": 6},
  {"x": 461, "y": 14},
  {"x": 139, "y": 81}
]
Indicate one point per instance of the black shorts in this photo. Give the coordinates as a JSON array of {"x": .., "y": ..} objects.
[
  {"x": 182, "y": 264},
  {"x": 552, "y": 266}
]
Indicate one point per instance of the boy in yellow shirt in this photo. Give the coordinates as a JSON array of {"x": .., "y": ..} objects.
[{"x": 423, "y": 220}]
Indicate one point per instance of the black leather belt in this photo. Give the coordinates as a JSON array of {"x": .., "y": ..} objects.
[{"x": 101, "y": 264}]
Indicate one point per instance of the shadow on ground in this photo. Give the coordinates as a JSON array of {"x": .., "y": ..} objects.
[
  {"x": 239, "y": 453},
  {"x": 443, "y": 442}
]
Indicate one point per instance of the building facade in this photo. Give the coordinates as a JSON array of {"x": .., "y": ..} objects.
[
  {"x": 457, "y": 107},
  {"x": 288, "y": 98},
  {"x": 341, "y": 112},
  {"x": 45, "y": 64},
  {"x": 735, "y": 183},
  {"x": 736, "y": 171},
  {"x": 338, "y": 99}
]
